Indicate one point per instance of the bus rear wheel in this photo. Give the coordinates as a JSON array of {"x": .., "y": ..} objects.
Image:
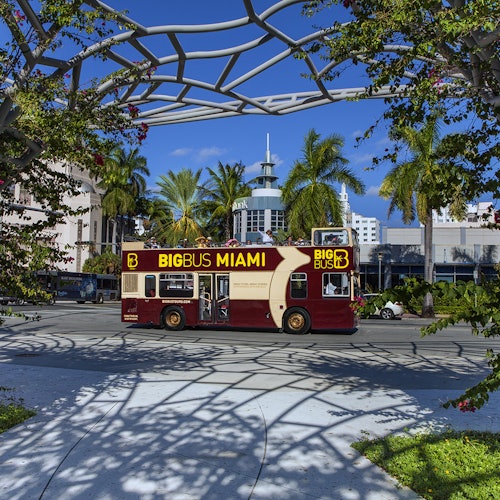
[
  {"x": 174, "y": 319},
  {"x": 296, "y": 321}
]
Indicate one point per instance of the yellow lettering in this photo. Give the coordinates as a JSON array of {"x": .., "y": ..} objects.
[
  {"x": 222, "y": 260},
  {"x": 341, "y": 259},
  {"x": 132, "y": 260},
  {"x": 240, "y": 260},
  {"x": 254, "y": 259},
  {"x": 162, "y": 260}
]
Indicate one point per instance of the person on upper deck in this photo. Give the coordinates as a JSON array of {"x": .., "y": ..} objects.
[{"x": 267, "y": 237}]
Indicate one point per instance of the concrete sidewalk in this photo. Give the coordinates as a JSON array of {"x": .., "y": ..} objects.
[{"x": 248, "y": 425}]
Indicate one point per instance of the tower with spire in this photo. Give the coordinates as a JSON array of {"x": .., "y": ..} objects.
[{"x": 262, "y": 210}]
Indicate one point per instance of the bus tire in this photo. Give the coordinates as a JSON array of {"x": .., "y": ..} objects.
[
  {"x": 173, "y": 318},
  {"x": 296, "y": 321},
  {"x": 100, "y": 299},
  {"x": 52, "y": 300}
]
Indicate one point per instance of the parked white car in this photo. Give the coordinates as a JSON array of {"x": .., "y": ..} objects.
[{"x": 390, "y": 310}]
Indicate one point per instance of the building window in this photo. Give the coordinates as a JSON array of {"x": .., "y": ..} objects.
[
  {"x": 237, "y": 222},
  {"x": 277, "y": 220},
  {"x": 255, "y": 221}
]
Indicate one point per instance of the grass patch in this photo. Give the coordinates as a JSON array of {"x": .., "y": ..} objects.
[
  {"x": 447, "y": 466},
  {"x": 12, "y": 411}
]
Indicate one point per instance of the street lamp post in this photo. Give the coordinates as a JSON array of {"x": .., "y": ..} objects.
[{"x": 380, "y": 255}]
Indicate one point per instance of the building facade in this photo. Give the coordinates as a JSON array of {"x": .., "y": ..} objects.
[
  {"x": 81, "y": 235},
  {"x": 459, "y": 252},
  {"x": 263, "y": 210}
]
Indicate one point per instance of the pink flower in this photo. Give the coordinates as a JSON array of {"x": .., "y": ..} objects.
[{"x": 466, "y": 405}]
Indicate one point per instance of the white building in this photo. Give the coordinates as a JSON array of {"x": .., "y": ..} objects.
[
  {"x": 80, "y": 235},
  {"x": 477, "y": 215},
  {"x": 263, "y": 210},
  {"x": 368, "y": 228}
]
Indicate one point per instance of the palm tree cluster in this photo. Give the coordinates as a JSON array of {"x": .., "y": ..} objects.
[
  {"x": 308, "y": 193},
  {"x": 124, "y": 185},
  {"x": 184, "y": 209}
]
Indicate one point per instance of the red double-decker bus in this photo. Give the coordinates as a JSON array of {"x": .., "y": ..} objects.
[{"x": 295, "y": 289}]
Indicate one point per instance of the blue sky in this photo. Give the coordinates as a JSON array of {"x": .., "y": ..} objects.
[{"x": 243, "y": 139}]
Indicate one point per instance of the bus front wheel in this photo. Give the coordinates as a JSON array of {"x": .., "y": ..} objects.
[
  {"x": 296, "y": 321},
  {"x": 174, "y": 319}
]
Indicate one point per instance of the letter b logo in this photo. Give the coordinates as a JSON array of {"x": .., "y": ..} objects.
[{"x": 132, "y": 260}]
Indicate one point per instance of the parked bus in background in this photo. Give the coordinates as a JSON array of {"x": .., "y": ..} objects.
[
  {"x": 79, "y": 287},
  {"x": 295, "y": 289}
]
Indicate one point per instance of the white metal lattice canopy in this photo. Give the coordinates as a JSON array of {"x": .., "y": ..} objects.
[
  {"x": 182, "y": 72},
  {"x": 149, "y": 66}
]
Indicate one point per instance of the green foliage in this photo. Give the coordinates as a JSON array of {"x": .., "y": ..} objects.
[
  {"x": 181, "y": 207},
  {"x": 105, "y": 263},
  {"x": 309, "y": 193},
  {"x": 450, "y": 465},
  {"x": 56, "y": 122},
  {"x": 225, "y": 185},
  {"x": 12, "y": 412},
  {"x": 435, "y": 54}
]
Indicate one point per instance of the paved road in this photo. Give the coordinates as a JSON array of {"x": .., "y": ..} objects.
[{"x": 135, "y": 412}]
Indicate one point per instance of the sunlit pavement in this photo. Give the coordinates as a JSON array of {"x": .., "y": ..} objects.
[{"x": 192, "y": 421}]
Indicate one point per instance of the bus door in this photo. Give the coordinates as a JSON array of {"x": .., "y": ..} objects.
[{"x": 214, "y": 298}]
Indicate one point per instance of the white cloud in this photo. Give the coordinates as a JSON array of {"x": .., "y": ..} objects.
[
  {"x": 205, "y": 153},
  {"x": 361, "y": 159},
  {"x": 372, "y": 191},
  {"x": 180, "y": 152},
  {"x": 255, "y": 167}
]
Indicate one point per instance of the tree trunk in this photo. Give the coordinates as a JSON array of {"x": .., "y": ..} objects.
[
  {"x": 114, "y": 237},
  {"x": 428, "y": 303}
]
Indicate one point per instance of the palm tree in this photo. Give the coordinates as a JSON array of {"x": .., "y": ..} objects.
[
  {"x": 310, "y": 199},
  {"x": 123, "y": 180},
  {"x": 421, "y": 184},
  {"x": 224, "y": 187},
  {"x": 181, "y": 202}
]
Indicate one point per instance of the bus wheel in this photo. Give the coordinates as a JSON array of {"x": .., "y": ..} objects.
[
  {"x": 296, "y": 321},
  {"x": 174, "y": 318},
  {"x": 52, "y": 300},
  {"x": 100, "y": 299}
]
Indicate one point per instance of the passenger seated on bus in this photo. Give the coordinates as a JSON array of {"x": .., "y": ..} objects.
[
  {"x": 330, "y": 288},
  {"x": 151, "y": 292}
]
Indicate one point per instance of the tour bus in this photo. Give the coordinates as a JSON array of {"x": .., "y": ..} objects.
[
  {"x": 295, "y": 289},
  {"x": 79, "y": 287}
]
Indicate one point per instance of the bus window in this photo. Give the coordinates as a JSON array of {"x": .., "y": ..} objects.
[
  {"x": 298, "y": 285},
  {"x": 150, "y": 285},
  {"x": 331, "y": 237},
  {"x": 222, "y": 296},
  {"x": 336, "y": 284},
  {"x": 176, "y": 285}
]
